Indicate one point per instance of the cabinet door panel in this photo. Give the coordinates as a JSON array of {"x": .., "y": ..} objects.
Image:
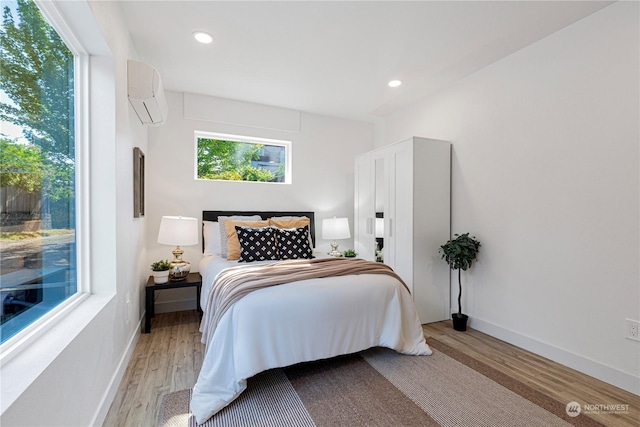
[
  {"x": 363, "y": 235},
  {"x": 401, "y": 212}
]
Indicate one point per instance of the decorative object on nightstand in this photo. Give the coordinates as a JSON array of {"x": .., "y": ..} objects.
[
  {"x": 179, "y": 231},
  {"x": 335, "y": 229},
  {"x": 379, "y": 233},
  {"x": 160, "y": 271},
  {"x": 460, "y": 254},
  {"x": 349, "y": 253},
  {"x": 379, "y": 255}
]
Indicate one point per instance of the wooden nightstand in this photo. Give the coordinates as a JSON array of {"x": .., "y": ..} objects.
[{"x": 193, "y": 279}]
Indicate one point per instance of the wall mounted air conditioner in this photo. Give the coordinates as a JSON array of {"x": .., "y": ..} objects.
[{"x": 146, "y": 94}]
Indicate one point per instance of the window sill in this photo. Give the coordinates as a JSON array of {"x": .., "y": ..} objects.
[{"x": 20, "y": 367}]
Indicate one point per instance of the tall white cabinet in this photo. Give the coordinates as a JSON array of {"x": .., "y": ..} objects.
[{"x": 403, "y": 196}]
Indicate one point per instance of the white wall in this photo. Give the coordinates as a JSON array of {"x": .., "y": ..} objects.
[
  {"x": 545, "y": 174},
  {"x": 323, "y": 150},
  {"x": 88, "y": 350},
  {"x": 131, "y": 271}
]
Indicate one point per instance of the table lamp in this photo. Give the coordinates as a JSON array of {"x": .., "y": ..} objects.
[
  {"x": 335, "y": 229},
  {"x": 179, "y": 231}
]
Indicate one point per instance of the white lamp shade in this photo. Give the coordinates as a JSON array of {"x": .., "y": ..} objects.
[
  {"x": 335, "y": 228},
  {"x": 379, "y": 227},
  {"x": 178, "y": 230}
]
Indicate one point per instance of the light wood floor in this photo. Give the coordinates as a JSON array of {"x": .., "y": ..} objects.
[
  {"x": 169, "y": 358},
  {"x": 165, "y": 360},
  {"x": 557, "y": 381}
]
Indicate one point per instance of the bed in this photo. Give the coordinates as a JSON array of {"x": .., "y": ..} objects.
[{"x": 283, "y": 324}]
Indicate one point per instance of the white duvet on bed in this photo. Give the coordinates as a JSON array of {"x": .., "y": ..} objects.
[
  {"x": 298, "y": 322},
  {"x": 210, "y": 265}
]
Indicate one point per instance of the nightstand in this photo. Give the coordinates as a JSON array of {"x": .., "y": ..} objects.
[{"x": 192, "y": 279}]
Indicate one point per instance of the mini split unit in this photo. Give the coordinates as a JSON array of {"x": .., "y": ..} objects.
[{"x": 146, "y": 94}]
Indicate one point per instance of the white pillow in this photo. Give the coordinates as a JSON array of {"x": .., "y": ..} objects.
[{"x": 211, "y": 236}]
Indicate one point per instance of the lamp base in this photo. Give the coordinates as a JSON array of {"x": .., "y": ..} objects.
[
  {"x": 334, "y": 250},
  {"x": 179, "y": 270},
  {"x": 179, "y": 267}
]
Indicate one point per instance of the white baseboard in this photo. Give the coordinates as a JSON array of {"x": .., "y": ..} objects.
[
  {"x": 587, "y": 366},
  {"x": 109, "y": 395}
]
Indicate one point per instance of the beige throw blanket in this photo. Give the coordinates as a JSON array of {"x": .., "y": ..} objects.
[{"x": 234, "y": 283}]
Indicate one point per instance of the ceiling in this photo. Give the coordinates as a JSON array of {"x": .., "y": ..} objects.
[{"x": 334, "y": 57}]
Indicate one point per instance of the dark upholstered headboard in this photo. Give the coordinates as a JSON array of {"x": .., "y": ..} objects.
[{"x": 213, "y": 216}]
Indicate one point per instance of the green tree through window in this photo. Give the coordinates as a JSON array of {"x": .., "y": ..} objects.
[
  {"x": 37, "y": 79},
  {"x": 229, "y": 160},
  {"x": 37, "y": 167}
]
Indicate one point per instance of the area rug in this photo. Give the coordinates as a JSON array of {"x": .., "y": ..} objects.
[{"x": 379, "y": 387}]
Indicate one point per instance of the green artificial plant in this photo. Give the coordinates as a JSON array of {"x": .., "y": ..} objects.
[
  {"x": 349, "y": 253},
  {"x": 460, "y": 253},
  {"x": 162, "y": 265}
]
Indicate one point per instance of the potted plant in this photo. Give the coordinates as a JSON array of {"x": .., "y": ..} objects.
[
  {"x": 460, "y": 253},
  {"x": 349, "y": 253},
  {"x": 160, "y": 271}
]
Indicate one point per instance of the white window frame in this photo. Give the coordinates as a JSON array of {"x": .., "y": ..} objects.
[
  {"x": 251, "y": 140},
  {"x": 31, "y": 333}
]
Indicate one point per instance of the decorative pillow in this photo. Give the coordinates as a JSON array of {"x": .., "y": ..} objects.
[
  {"x": 223, "y": 229},
  {"x": 233, "y": 245},
  {"x": 289, "y": 222},
  {"x": 257, "y": 244},
  {"x": 211, "y": 236},
  {"x": 294, "y": 243}
]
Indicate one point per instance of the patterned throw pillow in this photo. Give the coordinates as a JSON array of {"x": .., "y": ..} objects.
[
  {"x": 291, "y": 222},
  {"x": 294, "y": 243},
  {"x": 257, "y": 244}
]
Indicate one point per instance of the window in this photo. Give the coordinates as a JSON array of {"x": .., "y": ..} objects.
[
  {"x": 38, "y": 255},
  {"x": 240, "y": 158}
]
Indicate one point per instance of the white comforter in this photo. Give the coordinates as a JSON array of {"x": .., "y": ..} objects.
[{"x": 299, "y": 322}]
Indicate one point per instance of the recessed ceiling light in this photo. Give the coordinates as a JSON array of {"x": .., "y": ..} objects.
[
  {"x": 394, "y": 83},
  {"x": 203, "y": 37}
]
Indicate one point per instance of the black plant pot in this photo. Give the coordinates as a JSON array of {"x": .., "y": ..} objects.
[{"x": 459, "y": 321}]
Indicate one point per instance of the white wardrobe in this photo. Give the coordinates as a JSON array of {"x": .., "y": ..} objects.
[{"x": 403, "y": 203}]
